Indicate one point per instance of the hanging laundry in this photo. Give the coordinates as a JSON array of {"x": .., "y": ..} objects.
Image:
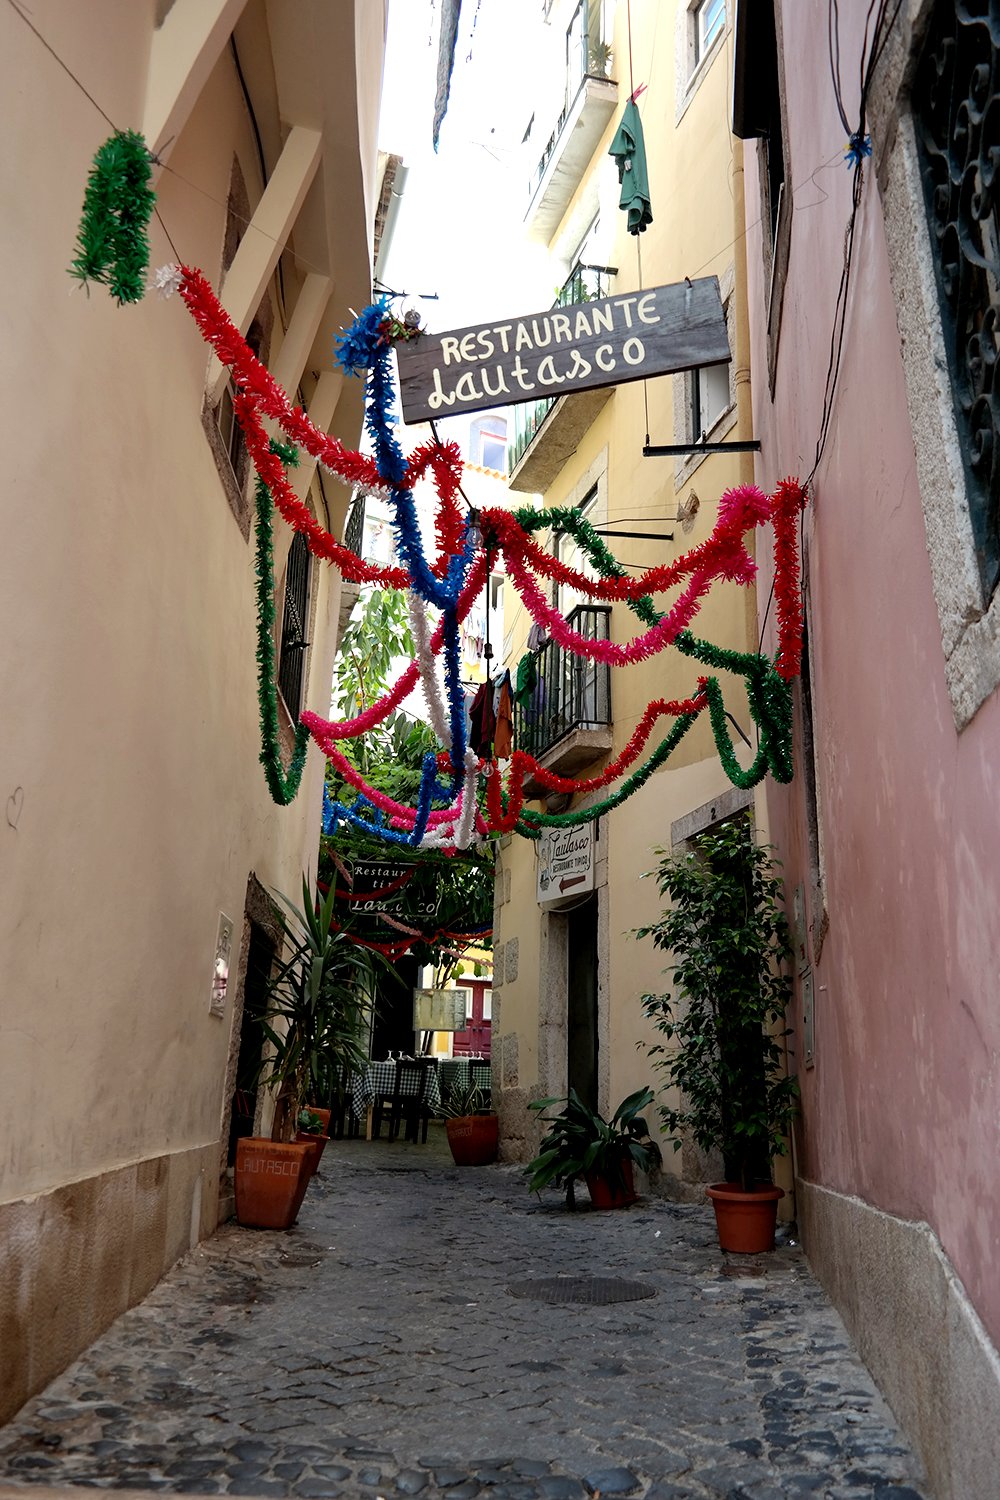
[
  {"x": 483, "y": 721},
  {"x": 629, "y": 150},
  {"x": 503, "y": 735},
  {"x": 526, "y": 680},
  {"x": 537, "y": 637}
]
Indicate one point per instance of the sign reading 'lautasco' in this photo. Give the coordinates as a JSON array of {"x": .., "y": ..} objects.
[{"x": 566, "y": 349}]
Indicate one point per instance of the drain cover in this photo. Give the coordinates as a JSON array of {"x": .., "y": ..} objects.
[{"x": 598, "y": 1290}]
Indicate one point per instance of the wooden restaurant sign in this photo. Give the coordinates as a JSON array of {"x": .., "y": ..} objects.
[{"x": 578, "y": 348}]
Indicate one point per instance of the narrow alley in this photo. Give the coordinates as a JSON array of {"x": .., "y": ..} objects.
[{"x": 394, "y": 1344}]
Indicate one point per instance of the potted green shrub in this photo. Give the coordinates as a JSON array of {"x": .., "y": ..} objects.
[
  {"x": 472, "y": 1127},
  {"x": 581, "y": 1143},
  {"x": 723, "y": 1023},
  {"x": 311, "y": 1130},
  {"x": 316, "y": 1022}
]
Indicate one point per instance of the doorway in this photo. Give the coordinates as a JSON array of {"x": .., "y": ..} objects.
[
  {"x": 581, "y": 1000},
  {"x": 392, "y": 1030},
  {"x": 260, "y": 961}
]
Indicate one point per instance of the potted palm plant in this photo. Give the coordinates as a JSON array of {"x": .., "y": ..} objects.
[
  {"x": 471, "y": 1126},
  {"x": 581, "y": 1143},
  {"x": 723, "y": 1024},
  {"x": 316, "y": 1022}
]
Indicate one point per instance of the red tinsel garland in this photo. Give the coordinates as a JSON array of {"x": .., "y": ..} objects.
[
  {"x": 522, "y": 763},
  {"x": 787, "y": 502},
  {"x": 740, "y": 510}
]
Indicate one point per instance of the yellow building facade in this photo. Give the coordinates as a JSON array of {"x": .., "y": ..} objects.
[
  {"x": 568, "y": 973},
  {"x": 140, "y": 842}
]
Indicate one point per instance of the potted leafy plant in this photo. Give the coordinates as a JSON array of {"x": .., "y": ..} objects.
[
  {"x": 472, "y": 1128},
  {"x": 723, "y": 1023},
  {"x": 581, "y": 1143},
  {"x": 311, "y": 1129},
  {"x": 316, "y": 1022}
]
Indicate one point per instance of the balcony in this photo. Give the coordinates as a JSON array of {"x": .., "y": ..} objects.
[
  {"x": 589, "y": 101},
  {"x": 558, "y": 422},
  {"x": 567, "y": 722}
]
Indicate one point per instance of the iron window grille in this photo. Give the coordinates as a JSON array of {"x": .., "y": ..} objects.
[
  {"x": 956, "y": 112},
  {"x": 354, "y": 531},
  {"x": 571, "y": 692},
  {"x": 291, "y": 660}
]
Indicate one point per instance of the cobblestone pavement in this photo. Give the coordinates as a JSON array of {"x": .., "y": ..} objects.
[{"x": 376, "y": 1350}]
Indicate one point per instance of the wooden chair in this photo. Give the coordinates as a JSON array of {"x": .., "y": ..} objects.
[{"x": 409, "y": 1098}]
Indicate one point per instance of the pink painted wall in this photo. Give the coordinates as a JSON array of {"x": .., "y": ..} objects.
[{"x": 902, "y": 1107}]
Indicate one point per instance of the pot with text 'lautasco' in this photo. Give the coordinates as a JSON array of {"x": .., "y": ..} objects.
[{"x": 270, "y": 1179}]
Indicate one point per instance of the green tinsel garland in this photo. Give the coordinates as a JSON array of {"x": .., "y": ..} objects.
[
  {"x": 769, "y": 695},
  {"x": 283, "y": 788},
  {"x": 112, "y": 247}
]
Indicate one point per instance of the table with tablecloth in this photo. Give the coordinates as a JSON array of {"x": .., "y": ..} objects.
[
  {"x": 378, "y": 1081},
  {"x": 459, "y": 1073}
]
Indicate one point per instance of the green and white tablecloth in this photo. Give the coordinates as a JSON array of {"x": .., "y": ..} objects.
[
  {"x": 460, "y": 1072},
  {"x": 378, "y": 1080}
]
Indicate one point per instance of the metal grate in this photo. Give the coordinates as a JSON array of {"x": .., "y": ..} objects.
[
  {"x": 293, "y": 626},
  {"x": 354, "y": 532},
  {"x": 956, "y": 94},
  {"x": 599, "y": 1291}
]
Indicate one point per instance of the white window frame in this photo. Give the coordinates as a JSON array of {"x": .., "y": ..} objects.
[{"x": 703, "y": 43}]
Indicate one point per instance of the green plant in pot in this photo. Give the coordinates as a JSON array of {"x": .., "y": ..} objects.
[
  {"x": 723, "y": 1022},
  {"x": 581, "y": 1143},
  {"x": 316, "y": 1023},
  {"x": 471, "y": 1126}
]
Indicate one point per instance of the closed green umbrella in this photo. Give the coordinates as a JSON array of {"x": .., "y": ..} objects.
[{"x": 629, "y": 150}]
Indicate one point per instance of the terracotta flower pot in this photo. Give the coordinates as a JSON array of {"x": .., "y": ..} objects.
[
  {"x": 745, "y": 1221},
  {"x": 324, "y": 1115},
  {"x": 270, "y": 1179},
  {"x": 316, "y": 1145},
  {"x": 605, "y": 1193},
  {"x": 473, "y": 1139}
]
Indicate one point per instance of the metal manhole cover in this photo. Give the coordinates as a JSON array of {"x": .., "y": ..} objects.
[{"x": 597, "y": 1290}]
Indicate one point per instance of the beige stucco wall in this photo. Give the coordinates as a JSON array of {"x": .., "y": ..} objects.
[
  {"x": 129, "y": 750},
  {"x": 695, "y": 171}
]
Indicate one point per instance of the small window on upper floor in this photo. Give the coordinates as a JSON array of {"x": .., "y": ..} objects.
[
  {"x": 569, "y": 551},
  {"x": 759, "y": 113},
  {"x": 709, "y": 398},
  {"x": 488, "y": 443},
  {"x": 708, "y": 18}
]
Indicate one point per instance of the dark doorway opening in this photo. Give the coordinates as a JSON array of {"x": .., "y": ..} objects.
[
  {"x": 260, "y": 961},
  {"x": 581, "y": 1000},
  {"x": 393, "y": 1027}
]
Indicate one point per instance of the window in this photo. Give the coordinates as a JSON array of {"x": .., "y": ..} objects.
[
  {"x": 955, "y": 100},
  {"x": 291, "y": 659},
  {"x": 488, "y": 443},
  {"x": 569, "y": 551},
  {"x": 709, "y": 22},
  {"x": 709, "y": 398},
  {"x": 758, "y": 113},
  {"x": 935, "y": 92}
]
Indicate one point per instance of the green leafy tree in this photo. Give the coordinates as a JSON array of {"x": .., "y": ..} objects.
[
  {"x": 445, "y": 892},
  {"x": 723, "y": 1022}
]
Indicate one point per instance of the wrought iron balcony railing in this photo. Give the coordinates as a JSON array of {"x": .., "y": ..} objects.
[
  {"x": 583, "y": 284},
  {"x": 588, "y": 55},
  {"x": 571, "y": 692}
]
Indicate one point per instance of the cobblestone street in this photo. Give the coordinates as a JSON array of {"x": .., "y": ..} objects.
[{"x": 377, "y": 1349}]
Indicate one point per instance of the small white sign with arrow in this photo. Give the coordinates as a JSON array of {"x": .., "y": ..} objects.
[{"x": 565, "y": 863}]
